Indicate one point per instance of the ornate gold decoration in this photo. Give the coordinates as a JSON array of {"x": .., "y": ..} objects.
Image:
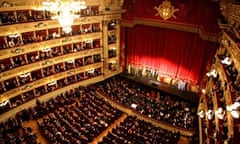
[
  {"x": 107, "y": 3},
  {"x": 17, "y": 51},
  {"x": 71, "y": 72},
  {"x": 46, "y": 62},
  {"x": 39, "y": 25},
  {"x": 6, "y": 4},
  {"x": 27, "y": 87},
  {"x": 166, "y": 10}
]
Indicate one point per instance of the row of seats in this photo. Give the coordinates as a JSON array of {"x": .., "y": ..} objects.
[
  {"x": 79, "y": 122},
  {"x": 12, "y": 132},
  {"x": 79, "y": 115},
  {"x": 83, "y": 120},
  {"x": 136, "y": 131}
]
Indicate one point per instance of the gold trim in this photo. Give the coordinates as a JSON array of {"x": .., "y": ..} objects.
[
  {"x": 44, "y": 81},
  {"x": 41, "y": 64},
  {"x": 175, "y": 26}
]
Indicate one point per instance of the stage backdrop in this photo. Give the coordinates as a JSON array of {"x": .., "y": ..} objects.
[{"x": 173, "y": 53}]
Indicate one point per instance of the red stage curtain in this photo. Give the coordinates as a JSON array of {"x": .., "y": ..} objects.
[{"x": 173, "y": 53}]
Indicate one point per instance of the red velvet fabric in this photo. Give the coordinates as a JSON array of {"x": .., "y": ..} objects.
[{"x": 173, "y": 53}]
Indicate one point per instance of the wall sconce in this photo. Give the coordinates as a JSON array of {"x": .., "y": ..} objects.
[
  {"x": 14, "y": 35},
  {"x": 226, "y": 61},
  {"x": 23, "y": 75},
  {"x": 52, "y": 83},
  {"x": 210, "y": 114},
  {"x": 212, "y": 73},
  {"x": 220, "y": 113},
  {"x": 234, "y": 109},
  {"x": 70, "y": 61},
  {"x": 201, "y": 113},
  {"x": 46, "y": 50},
  {"x": 203, "y": 91}
]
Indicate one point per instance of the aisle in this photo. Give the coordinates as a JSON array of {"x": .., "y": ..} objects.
[
  {"x": 109, "y": 129},
  {"x": 33, "y": 124}
]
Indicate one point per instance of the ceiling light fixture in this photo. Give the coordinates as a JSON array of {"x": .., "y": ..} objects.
[{"x": 65, "y": 11}]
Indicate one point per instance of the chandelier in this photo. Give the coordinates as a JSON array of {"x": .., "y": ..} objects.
[{"x": 65, "y": 11}]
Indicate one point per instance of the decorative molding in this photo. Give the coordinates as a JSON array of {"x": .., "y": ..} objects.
[
  {"x": 40, "y": 25},
  {"x": 47, "y": 62},
  {"x": 71, "y": 72},
  {"x": 44, "y": 81},
  {"x": 175, "y": 26},
  {"x": 6, "y": 4},
  {"x": 27, "y": 87},
  {"x": 17, "y": 51}
]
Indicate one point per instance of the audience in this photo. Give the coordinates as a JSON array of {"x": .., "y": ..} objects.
[
  {"x": 150, "y": 102},
  {"x": 77, "y": 121},
  {"x": 135, "y": 131},
  {"x": 12, "y": 131},
  {"x": 79, "y": 115}
]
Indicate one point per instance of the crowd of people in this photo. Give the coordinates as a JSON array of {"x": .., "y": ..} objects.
[
  {"x": 79, "y": 122},
  {"x": 150, "y": 102},
  {"x": 12, "y": 131},
  {"x": 79, "y": 115}
]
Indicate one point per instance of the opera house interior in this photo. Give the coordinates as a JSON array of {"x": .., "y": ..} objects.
[{"x": 119, "y": 71}]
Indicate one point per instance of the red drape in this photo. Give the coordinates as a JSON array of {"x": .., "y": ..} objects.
[{"x": 172, "y": 53}]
